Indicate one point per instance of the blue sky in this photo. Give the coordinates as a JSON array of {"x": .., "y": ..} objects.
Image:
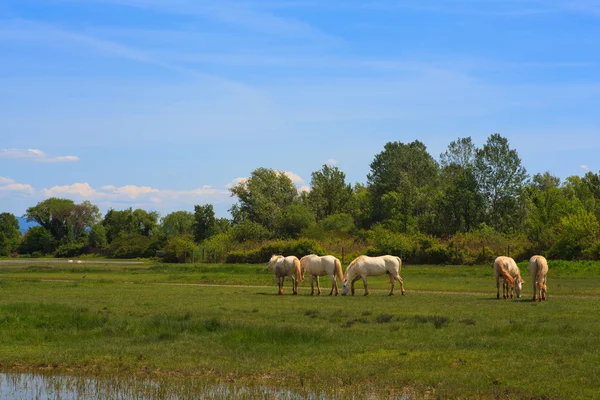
[{"x": 165, "y": 104}]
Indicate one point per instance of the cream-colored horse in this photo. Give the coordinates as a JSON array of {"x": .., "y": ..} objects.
[
  {"x": 286, "y": 266},
  {"x": 538, "y": 271},
  {"x": 506, "y": 268},
  {"x": 364, "y": 266},
  {"x": 316, "y": 266}
]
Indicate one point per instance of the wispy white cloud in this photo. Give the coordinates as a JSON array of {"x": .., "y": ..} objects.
[
  {"x": 584, "y": 167},
  {"x": 293, "y": 177},
  {"x": 236, "y": 182},
  {"x": 132, "y": 193},
  {"x": 331, "y": 162},
  {"x": 8, "y": 186},
  {"x": 35, "y": 155}
]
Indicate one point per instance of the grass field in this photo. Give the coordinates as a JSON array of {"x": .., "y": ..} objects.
[{"x": 447, "y": 338}]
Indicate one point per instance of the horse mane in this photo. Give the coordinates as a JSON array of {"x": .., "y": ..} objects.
[
  {"x": 504, "y": 273},
  {"x": 352, "y": 264},
  {"x": 275, "y": 257}
]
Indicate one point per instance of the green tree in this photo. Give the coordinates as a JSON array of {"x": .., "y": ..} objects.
[
  {"x": 460, "y": 152},
  {"x": 577, "y": 232},
  {"x": 97, "y": 237},
  {"x": 179, "y": 249},
  {"x": 501, "y": 178},
  {"x": 53, "y": 214},
  {"x": 329, "y": 194},
  {"x": 129, "y": 222},
  {"x": 461, "y": 205},
  {"x": 145, "y": 222},
  {"x": 82, "y": 217},
  {"x": 9, "y": 233},
  {"x": 37, "y": 239},
  {"x": 178, "y": 223},
  {"x": 403, "y": 182},
  {"x": 204, "y": 222},
  {"x": 293, "y": 220},
  {"x": 263, "y": 197}
]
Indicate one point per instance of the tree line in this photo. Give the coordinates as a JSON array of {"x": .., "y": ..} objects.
[{"x": 472, "y": 204}]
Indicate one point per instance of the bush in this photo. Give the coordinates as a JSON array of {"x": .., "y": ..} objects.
[
  {"x": 298, "y": 248},
  {"x": 178, "y": 249},
  {"x": 133, "y": 246},
  {"x": 70, "y": 250}
]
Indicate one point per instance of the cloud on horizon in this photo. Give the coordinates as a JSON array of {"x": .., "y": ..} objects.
[{"x": 35, "y": 155}]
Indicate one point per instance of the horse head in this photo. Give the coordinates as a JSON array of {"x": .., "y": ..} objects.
[
  {"x": 519, "y": 286},
  {"x": 345, "y": 286}
]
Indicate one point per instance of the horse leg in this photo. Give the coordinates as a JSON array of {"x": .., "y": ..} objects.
[
  {"x": 352, "y": 284},
  {"x": 333, "y": 283},
  {"x": 312, "y": 286},
  {"x": 399, "y": 278},
  {"x": 294, "y": 285},
  {"x": 393, "y": 282},
  {"x": 498, "y": 287},
  {"x": 535, "y": 289},
  {"x": 280, "y": 284},
  {"x": 543, "y": 294},
  {"x": 364, "y": 278},
  {"x": 318, "y": 286}
]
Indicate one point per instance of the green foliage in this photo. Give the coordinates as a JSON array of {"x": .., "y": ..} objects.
[
  {"x": 178, "y": 249},
  {"x": 293, "y": 220},
  {"x": 10, "y": 235},
  {"x": 403, "y": 181},
  {"x": 177, "y": 223},
  {"x": 298, "y": 248},
  {"x": 37, "y": 239},
  {"x": 577, "y": 232},
  {"x": 133, "y": 246},
  {"x": 97, "y": 236},
  {"x": 248, "y": 230},
  {"x": 129, "y": 222},
  {"x": 263, "y": 197},
  {"x": 204, "y": 222},
  {"x": 338, "y": 223},
  {"x": 501, "y": 177},
  {"x": 72, "y": 249},
  {"x": 329, "y": 194}
]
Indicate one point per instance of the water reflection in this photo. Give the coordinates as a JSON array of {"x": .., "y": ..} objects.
[{"x": 42, "y": 387}]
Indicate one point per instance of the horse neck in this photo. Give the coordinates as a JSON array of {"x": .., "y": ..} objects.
[{"x": 350, "y": 272}]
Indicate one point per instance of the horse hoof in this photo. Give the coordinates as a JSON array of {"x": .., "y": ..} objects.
[
  {"x": 366, "y": 294},
  {"x": 402, "y": 293},
  {"x": 391, "y": 294}
]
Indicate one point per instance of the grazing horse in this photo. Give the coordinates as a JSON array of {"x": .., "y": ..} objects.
[
  {"x": 286, "y": 266},
  {"x": 538, "y": 271},
  {"x": 506, "y": 268},
  {"x": 317, "y": 266},
  {"x": 364, "y": 266}
]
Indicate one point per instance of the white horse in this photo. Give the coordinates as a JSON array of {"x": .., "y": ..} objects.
[
  {"x": 286, "y": 266},
  {"x": 317, "y": 266},
  {"x": 506, "y": 268},
  {"x": 538, "y": 271},
  {"x": 364, "y": 266}
]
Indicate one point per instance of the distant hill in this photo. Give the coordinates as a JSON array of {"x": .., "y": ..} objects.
[{"x": 24, "y": 225}]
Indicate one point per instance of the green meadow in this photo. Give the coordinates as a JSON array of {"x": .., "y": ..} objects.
[{"x": 447, "y": 338}]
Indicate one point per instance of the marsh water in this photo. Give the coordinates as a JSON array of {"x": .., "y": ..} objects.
[{"x": 42, "y": 387}]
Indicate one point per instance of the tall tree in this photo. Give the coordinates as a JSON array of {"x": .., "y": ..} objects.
[
  {"x": 263, "y": 196},
  {"x": 329, "y": 194},
  {"x": 402, "y": 180},
  {"x": 501, "y": 178},
  {"x": 83, "y": 216},
  {"x": 52, "y": 214},
  {"x": 9, "y": 233},
  {"x": 460, "y": 152},
  {"x": 204, "y": 222},
  {"x": 178, "y": 223}
]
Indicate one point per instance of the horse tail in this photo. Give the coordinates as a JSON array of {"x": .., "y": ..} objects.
[
  {"x": 399, "y": 263},
  {"x": 298, "y": 269},
  {"x": 539, "y": 275},
  {"x": 505, "y": 274},
  {"x": 338, "y": 270}
]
